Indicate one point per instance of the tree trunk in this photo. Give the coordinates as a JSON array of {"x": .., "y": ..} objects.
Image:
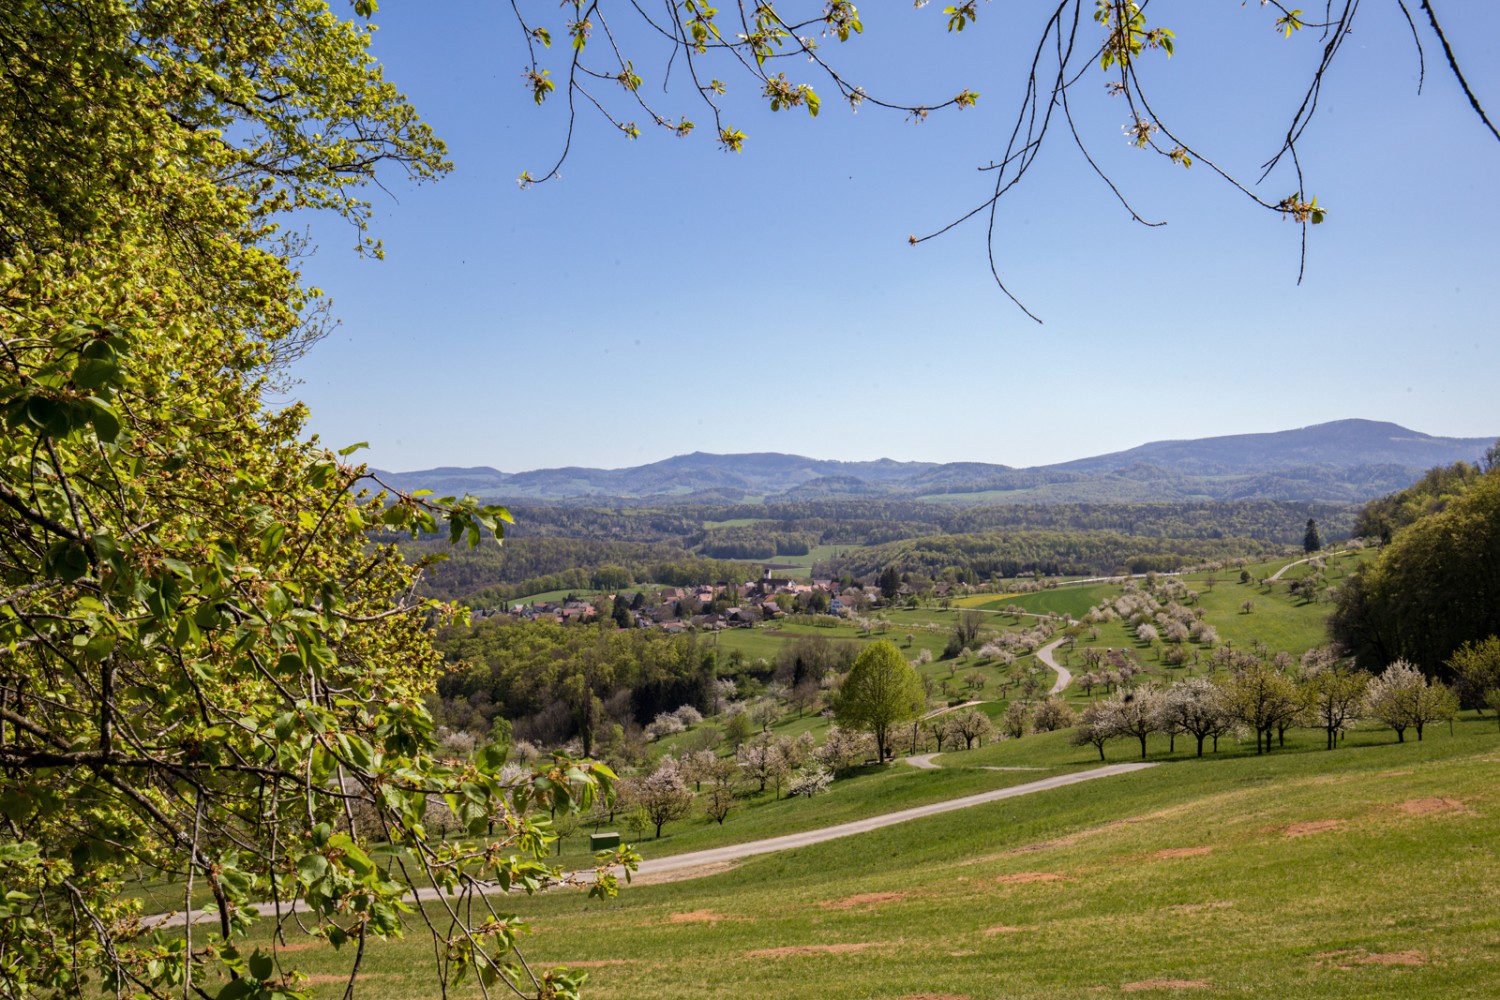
[
  {"x": 1143, "y": 746},
  {"x": 1200, "y": 744}
]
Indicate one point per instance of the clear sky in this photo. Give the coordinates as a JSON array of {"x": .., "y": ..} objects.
[{"x": 663, "y": 296}]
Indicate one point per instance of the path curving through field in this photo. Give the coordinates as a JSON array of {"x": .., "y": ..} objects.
[{"x": 1064, "y": 675}]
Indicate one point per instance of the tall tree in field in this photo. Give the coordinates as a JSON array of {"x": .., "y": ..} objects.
[
  {"x": 882, "y": 689},
  {"x": 207, "y": 673},
  {"x": 1311, "y": 540}
]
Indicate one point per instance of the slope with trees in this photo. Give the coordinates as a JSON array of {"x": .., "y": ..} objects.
[{"x": 1436, "y": 585}]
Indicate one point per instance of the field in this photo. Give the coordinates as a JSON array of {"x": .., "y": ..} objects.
[
  {"x": 1369, "y": 871},
  {"x": 1366, "y": 872}
]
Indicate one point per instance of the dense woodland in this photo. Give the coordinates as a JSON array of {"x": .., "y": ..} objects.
[{"x": 1436, "y": 584}]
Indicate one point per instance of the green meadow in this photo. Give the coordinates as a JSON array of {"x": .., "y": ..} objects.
[{"x": 1369, "y": 871}]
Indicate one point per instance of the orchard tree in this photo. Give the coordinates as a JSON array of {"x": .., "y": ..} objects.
[
  {"x": 208, "y": 672},
  {"x": 663, "y": 794},
  {"x": 1334, "y": 694},
  {"x": 1096, "y": 726},
  {"x": 882, "y": 690},
  {"x": 1261, "y": 697},
  {"x": 1477, "y": 667},
  {"x": 722, "y": 775},
  {"x": 972, "y": 726},
  {"x": 1136, "y": 713},
  {"x": 1052, "y": 715},
  {"x": 1196, "y": 707},
  {"x": 1402, "y": 698}
]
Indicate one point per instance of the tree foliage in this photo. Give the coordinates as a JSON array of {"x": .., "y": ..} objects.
[
  {"x": 1433, "y": 588},
  {"x": 882, "y": 689},
  {"x": 207, "y": 675}
]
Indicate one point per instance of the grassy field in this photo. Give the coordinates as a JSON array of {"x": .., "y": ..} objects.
[{"x": 1366, "y": 872}]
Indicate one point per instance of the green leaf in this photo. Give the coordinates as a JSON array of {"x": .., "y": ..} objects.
[
  {"x": 312, "y": 867},
  {"x": 262, "y": 966},
  {"x": 106, "y": 422},
  {"x": 94, "y": 373}
]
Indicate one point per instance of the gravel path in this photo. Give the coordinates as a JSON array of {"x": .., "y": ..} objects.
[
  {"x": 717, "y": 856},
  {"x": 735, "y": 852},
  {"x": 1064, "y": 675}
]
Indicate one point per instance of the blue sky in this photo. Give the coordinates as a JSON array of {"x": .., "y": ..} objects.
[{"x": 663, "y": 296}]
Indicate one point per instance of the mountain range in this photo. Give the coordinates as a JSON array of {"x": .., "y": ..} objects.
[{"x": 1341, "y": 461}]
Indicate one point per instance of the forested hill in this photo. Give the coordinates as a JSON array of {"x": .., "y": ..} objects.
[{"x": 1346, "y": 461}]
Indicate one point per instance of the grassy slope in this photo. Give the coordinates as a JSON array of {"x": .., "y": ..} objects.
[{"x": 1367, "y": 872}]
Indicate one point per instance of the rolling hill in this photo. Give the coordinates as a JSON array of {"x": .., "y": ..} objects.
[{"x": 1345, "y": 461}]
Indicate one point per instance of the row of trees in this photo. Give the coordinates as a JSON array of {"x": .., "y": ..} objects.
[{"x": 1261, "y": 699}]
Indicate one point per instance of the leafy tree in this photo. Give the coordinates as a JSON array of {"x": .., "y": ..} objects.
[
  {"x": 208, "y": 673},
  {"x": 1261, "y": 697},
  {"x": 1477, "y": 667},
  {"x": 1311, "y": 541},
  {"x": 1335, "y": 694},
  {"x": 881, "y": 690}
]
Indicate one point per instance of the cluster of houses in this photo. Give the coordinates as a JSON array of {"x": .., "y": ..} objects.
[{"x": 715, "y": 606}]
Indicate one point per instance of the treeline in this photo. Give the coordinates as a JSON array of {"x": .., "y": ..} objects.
[
  {"x": 582, "y": 548},
  {"x": 490, "y": 574},
  {"x": 876, "y": 521},
  {"x": 754, "y": 541},
  {"x": 556, "y": 682},
  {"x": 1382, "y": 517},
  {"x": 975, "y": 557}
]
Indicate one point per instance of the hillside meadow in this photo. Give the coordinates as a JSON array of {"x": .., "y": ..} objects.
[{"x": 1369, "y": 871}]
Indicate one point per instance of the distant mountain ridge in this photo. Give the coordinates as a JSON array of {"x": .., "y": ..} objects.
[{"x": 1342, "y": 461}]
